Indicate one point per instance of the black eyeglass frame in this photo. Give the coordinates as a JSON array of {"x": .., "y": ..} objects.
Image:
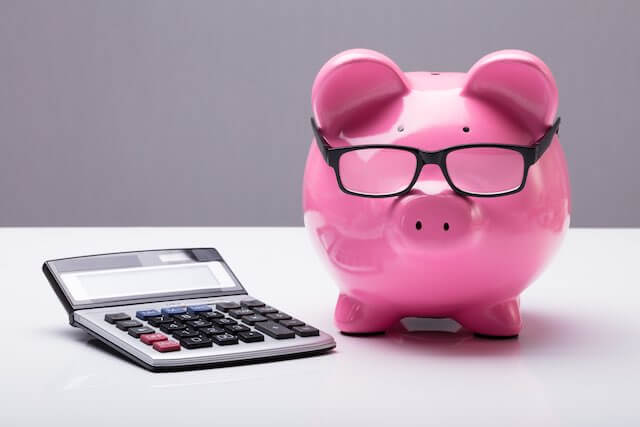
[{"x": 530, "y": 155}]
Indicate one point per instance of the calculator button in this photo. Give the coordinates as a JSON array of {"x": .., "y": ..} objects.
[
  {"x": 123, "y": 325},
  {"x": 145, "y": 314},
  {"x": 306, "y": 331},
  {"x": 116, "y": 317},
  {"x": 185, "y": 333},
  {"x": 151, "y": 338},
  {"x": 239, "y": 312},
  {"x": 169, "y": 328},
  {"x": 233, "y": 329},
  {"x": 253, "y": 318},
  {"x": 226, "y": 306},
  {"x": 211, "y": 315},
  {"x": 224, "y": 322},
  {"x": 275, "y": 330},
  {"x": 213, "y": 330},
  {"x": 225, "y": 339},
  {"x": 250, "y": 336},
  {"x": 252, "y": 303},
  {"x": 166, "y": 345},
  {"x": 265, "y": 310},
  {"x": 199, "y": 323},
  {"x": 136, "y": 332},
  {"x": 290, "y": 323},
  {"x": 186, "y": 317},
  {"x": 202, "y": 308},
  {"x": 157, "y": 321},
  {"x": 196, "y": 342},
  {"x": 278, "y": 316},
  {"x": 174, "y": 310}
]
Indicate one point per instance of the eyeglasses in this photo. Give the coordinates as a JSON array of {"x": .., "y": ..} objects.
[{"x": 477, "y": 170}]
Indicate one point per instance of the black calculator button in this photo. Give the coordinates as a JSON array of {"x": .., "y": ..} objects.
[
  {"x": 306, "y": 331},
  {"x": 225, "y": 339},
  {"x": 251, "y": 303},
  {"x": 169, "y": 328},
  {"x": 126, "y": 324},
  {"x": 211, "y": 315},
  {"x": 212, "y": 330},
  {"x": 186, "y": 317},
  {"x": 160, "y": 320},
  {"x": 199, "y": 341},
  {"x": 185, "y": 333},
  {"x": 265, "y": 310},
  {"x": 250, "y": 336},
  {"x": 234, "y": 329},
  {"x": 200, "y": 323},
  {"x": 254, "y": 318},
  {"x": 290, "y": 323},
  {"x": 226, "y": 306},
  {"x": 278, "y": 316},
  {"x": 224, "y": 322},
  {"x": 141, "y": 330},
  {"x": 275, "y": 330},
  {"x": 239, "y": 312},
  {"x": 116, "y": 317}
]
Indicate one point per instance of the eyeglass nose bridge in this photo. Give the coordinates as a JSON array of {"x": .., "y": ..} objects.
[{"x": 431, "y": 158}]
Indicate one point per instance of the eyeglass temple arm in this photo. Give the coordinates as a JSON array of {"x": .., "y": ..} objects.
[
  {"x": 546, "y": 140},
  {"x": 323, "y": 145}
]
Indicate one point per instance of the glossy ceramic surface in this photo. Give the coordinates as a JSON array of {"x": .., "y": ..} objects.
[{"x": 434, "y": 253}]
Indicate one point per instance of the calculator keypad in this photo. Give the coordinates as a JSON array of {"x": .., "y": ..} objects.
[{"x": 200, "y": 326}]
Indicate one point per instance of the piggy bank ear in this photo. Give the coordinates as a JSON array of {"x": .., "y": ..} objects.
[
  {"x": 519, "y": 84},
  {"x": 354, "y": 85}
]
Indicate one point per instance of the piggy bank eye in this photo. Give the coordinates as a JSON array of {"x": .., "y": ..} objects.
[{"x": 466, "y": 129}]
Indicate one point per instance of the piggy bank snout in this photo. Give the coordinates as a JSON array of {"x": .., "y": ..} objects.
[{"x": 438, "y": 220}]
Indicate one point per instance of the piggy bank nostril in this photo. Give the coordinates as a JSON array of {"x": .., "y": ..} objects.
[
  {"x": 419, "y": 225},
  {"x": 446, "y": 226}
]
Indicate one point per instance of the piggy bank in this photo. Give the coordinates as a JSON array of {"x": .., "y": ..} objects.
[{"x": 435, "y": 194}]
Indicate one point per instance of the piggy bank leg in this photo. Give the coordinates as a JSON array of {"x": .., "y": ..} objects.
[
  {"x": 353, "y": 316},
  {"x": 498, "y": 320}
]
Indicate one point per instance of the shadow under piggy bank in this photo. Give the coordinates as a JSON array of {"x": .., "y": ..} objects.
[{"x": 542, "y": 333}]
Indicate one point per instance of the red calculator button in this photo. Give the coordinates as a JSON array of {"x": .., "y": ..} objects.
[
  {"x": 151, "y": 338},
  {"x": 166, "y": 345}
]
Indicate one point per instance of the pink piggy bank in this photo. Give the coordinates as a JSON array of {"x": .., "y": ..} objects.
[{"x": 435, "y": 194}]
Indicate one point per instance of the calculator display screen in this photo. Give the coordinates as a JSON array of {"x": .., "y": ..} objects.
[{"x": 130, "y": 283}]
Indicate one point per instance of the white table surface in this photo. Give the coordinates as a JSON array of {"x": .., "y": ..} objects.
[{"x": 576, "y": 362}]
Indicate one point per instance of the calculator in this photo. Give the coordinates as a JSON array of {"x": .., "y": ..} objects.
[{"x": 177, "y": 309}]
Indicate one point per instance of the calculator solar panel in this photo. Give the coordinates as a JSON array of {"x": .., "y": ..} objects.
[{"x": 127, "y": 301}]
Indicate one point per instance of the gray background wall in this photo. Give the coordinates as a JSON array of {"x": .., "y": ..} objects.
[{"x": 195, "y": 113}]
